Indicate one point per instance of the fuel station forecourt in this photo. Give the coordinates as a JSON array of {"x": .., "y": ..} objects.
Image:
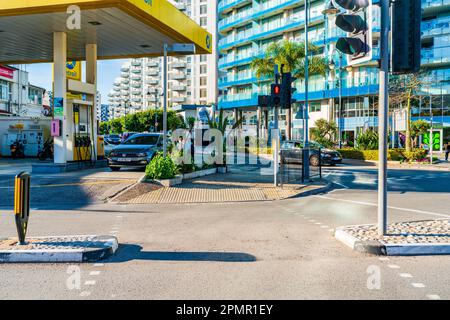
[{"x": 59, "y": 31}]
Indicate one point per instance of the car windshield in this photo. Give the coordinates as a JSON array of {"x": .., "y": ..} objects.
[
  {"x": 113, "y": 136},
  {"x": 142, "y": 140},
  {"x": 316, "y": 145}
]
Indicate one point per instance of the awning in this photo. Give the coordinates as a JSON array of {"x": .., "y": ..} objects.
[{"x": 120, "y": 28}]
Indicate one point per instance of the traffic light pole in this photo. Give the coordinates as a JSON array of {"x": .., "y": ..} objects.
[
  {"x": 306, "y": 126},
  {"x": 383, "y": 118}
]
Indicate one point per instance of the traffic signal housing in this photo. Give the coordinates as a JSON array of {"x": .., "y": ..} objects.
[
  {"x": 357, "y": 23},
  {"x": 406, "y": 43},
  {"x": 287, "y": 90},
  {"x": 275, "y": 94},
  {"x": 264, "y": 101}
]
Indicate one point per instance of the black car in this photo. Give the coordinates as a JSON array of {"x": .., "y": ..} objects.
[
  {"x": 292, "y": 152},
  {"x": 135, "y": 152}
]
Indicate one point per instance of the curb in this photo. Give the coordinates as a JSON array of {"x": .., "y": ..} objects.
[
  {"x": 378, "y": 248},
  {"x": 62, "y": 255}
]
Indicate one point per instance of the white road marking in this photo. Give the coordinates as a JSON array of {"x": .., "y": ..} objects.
[
  {"x": 98, "y": 264},
  {"x": 89, "y": 282},
  {"x": 393, "y": 266},
  {"x": 433, "y": 297},
  {"x": 390, "y": 207},
  {"x": 94, "y": 273},
  {"x": 85, "y": 294},
  {"x": 405, "y": 275},
  {"x": 318, "y": 223},
  {"x": 418, "y": 285},
  {"x": 325, "y": 227},
  {"x": 383, "y": 259}
]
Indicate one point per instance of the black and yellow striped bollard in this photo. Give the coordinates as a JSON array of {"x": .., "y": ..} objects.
[{"x": 22, "y": 204}]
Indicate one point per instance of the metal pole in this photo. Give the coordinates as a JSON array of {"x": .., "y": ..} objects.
[
  {"x": 275, "y": 136},
  {"x": 430, "y": 147},
  {"x": 306, "y": 147},
  {"x": 165, "y": 103},
  {"x": 383, "y": 118}
]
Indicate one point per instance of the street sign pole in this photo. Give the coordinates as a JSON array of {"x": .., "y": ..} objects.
[
  {"x": 306, "y": 125},
  {"x": 275, "y": 136},
  {"x": 383, "y": 118}
]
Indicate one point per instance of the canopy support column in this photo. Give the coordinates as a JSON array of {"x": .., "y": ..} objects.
[{"x": 60, "y": 91}]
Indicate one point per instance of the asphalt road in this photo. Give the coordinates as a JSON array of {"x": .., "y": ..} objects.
[{"x": 253, "y": 250}]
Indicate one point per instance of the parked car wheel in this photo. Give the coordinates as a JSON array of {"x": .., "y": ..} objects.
[{"x": 115, "y": 168}]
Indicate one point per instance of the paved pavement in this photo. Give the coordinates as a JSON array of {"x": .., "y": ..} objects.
[
  {"x": 69, "y": 189},
  {"x": 253, "y": 250},
  {"x": 242, "y": 183}
]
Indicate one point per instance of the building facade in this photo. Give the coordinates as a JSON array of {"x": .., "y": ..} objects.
[
  {"x": 247, "y": 27},
  {"x": 17, "y": 96},
  {"x": 192, "y": 80}
]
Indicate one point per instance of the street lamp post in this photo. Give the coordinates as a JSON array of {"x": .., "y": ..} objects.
[{"x": 339, "y": 113}]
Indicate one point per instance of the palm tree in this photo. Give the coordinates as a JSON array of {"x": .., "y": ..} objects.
[
  {"x": 292, "y": 56},
  {"x": 221, "y": 124}
]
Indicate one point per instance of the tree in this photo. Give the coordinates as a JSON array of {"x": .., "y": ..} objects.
[
  {"x": 324, "y": 132},
  {"x": 292, "y": 56},
  {"x": 190, "y": 123},
  {"x": 403, "y": 89},
  {"x": 368, "y": 140},
  {"x": 221, "y": 124},
  {"x": 419, "y": 127}
]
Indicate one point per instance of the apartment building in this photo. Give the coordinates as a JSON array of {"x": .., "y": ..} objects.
[{"x": 247, "y": 27}]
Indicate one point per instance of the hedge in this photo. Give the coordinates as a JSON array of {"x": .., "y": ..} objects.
[{"x": 393, "y": 154}]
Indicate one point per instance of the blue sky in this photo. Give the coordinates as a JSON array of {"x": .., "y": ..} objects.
[{"x": 41, "y": 75}]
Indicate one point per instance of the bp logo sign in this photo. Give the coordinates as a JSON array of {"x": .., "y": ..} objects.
[{"x": 208, "y": 41}]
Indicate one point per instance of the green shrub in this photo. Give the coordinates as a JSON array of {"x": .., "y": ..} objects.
[
  {"x": 414, "y": 155},
  {"x": 161, "y": 168},
  {"x": 367, "y": 140},
  {"x": 393, "y": 154}
]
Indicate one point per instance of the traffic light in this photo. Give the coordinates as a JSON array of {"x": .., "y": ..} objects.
[
  {"x": 275, "y": 95},
  {"x": 406, "y": 20},
  {"x": 357, "y": 23},
  {"x": 287, "y": 90},
  {"x": 264, "y": 101}
]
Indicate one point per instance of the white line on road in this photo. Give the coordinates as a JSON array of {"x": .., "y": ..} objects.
[
  {"x": 94, "y": 273},
  {"x": 418, "y": 285},
  {"x": 90, "y": 282},
  {"x": 393, "y": 266},
  {"x": 405, "y": 275},
  {"x": 98, "y": 264},
  {"x": 433, "y": 297},
  {"x": 390, "y": 207},
  {"x": 383, "y": 259},
  {"x": 85, "y": 294}
]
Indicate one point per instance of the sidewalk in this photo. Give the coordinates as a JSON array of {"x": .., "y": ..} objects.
[{"x": 242, "y": 183}]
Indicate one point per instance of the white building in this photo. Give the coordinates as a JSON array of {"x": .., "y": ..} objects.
[
  {"x": 192, "y": 80},
  {"x": 17, "y": 96}
]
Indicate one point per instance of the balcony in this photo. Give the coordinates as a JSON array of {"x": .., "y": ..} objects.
[
  {"x": 153, "y": 81},
  {"x": 125, "y": 69},
  {"x": 226, "y": 6},
  {"x": 178, "y": 65},
  {"x": 136, "y": 85},
  {"x": 136, "y": 78},
  {"x": 437, "y": 56},
  {"x": 153, "y": 64},
  {"x": 178, "y": 99},
  {"x": 178, "y": 76},
  {"x": 125, "y": 75},
  {"x": 179, "y": 88},
  {"x": 152, "y": 73},
  {"x": 136, "y": 63}
]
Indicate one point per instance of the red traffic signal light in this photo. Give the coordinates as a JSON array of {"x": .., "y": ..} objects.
[{"x": 276, "y": 89}]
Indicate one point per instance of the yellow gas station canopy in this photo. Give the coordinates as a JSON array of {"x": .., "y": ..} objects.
[{"x": 120, "y": 28}]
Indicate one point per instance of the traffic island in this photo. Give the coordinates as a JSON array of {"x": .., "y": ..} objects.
[
  {"x": 60, "y": 249},
  {"x": 427, "y": 237}
]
